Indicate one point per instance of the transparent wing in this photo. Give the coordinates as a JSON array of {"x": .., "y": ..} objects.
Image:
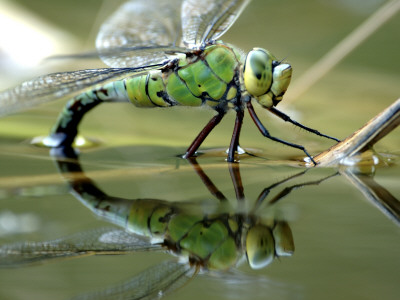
[
  {"x": 152, "y": 283},
  {"x": 100, "y": 241},
  {"x": 147, "y": 29},
  {"x": 208, "y": 19},
  {"x": 59, "y": 85}
]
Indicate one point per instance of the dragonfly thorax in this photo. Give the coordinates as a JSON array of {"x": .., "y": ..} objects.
[
  {"x": 265, "y": 78},
  {"x": 202, "y": 77}
]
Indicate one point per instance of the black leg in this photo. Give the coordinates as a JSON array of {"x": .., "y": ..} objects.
[
  {"x": 237, "y": 181},
  {"x": 235, "y": 136},
  {"x": 203, "y": 134},
  {"x": 206, "y": 180},
  {"x": 265, "y": 132},
  {"x": 286, "y": 191},
  {"x": 265, "y": 192},
  {"x": 286, "y": 118}
]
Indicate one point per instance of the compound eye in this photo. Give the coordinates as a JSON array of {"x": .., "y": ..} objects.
[
  {"x": 258, "y": 71},
  {"x": 281, "y": 79},
  {"x": 260, "y": 246}
]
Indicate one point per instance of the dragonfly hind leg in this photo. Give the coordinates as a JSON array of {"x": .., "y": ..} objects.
[{"x": 203, "y": 134}]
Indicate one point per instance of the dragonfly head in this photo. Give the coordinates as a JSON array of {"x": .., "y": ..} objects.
[
  {"x": 264, "y": 243},
  {"x": 265, "y": 78},
  {"x": 260, "y": 246}
]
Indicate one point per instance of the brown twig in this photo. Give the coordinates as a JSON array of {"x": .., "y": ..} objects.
[{"x": 364, "y": 138}]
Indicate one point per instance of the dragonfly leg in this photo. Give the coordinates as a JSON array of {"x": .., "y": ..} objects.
[
  {"x": 206, "y": 180},
  {"x": 66, "y": 128},
  {"x": 234, "y": 171},
  {"x": 286, "y": 118},
  {"x": 203, "y": 134},
  {"x": 287, "y": 190},
  {"x": 265, "y": 132},
  {"x": 265, "y": 192},
  {"x": 235, "y": 136}
]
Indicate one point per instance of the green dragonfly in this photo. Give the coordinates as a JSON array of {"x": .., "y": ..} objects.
[
  {"x": 164, "y": 53},
  {"x": 215, "y": 241}
]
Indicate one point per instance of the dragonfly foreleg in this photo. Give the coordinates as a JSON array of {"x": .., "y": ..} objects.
[
  {"x": 287, "y": 190},
  {"x": 204, "y": 133},
  {"x": 286, "y": 118},
  {"x": 265, "y": 132}
]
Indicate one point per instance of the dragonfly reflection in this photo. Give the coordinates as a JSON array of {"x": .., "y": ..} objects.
[{"x": 203, "y": 242}]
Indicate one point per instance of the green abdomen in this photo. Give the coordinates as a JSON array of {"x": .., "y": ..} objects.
[{"x": 206, "y": 79}]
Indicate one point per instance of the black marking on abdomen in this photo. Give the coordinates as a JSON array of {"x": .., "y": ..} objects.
[{"x": 146, "y": 88}]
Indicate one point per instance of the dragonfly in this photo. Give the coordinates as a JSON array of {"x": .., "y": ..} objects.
[
  {"x": 213, "y": 241},
  {"x": 164, "y": 53}
]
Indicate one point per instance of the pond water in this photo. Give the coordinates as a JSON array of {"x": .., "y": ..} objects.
[{"x": 346, "y": 247}]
